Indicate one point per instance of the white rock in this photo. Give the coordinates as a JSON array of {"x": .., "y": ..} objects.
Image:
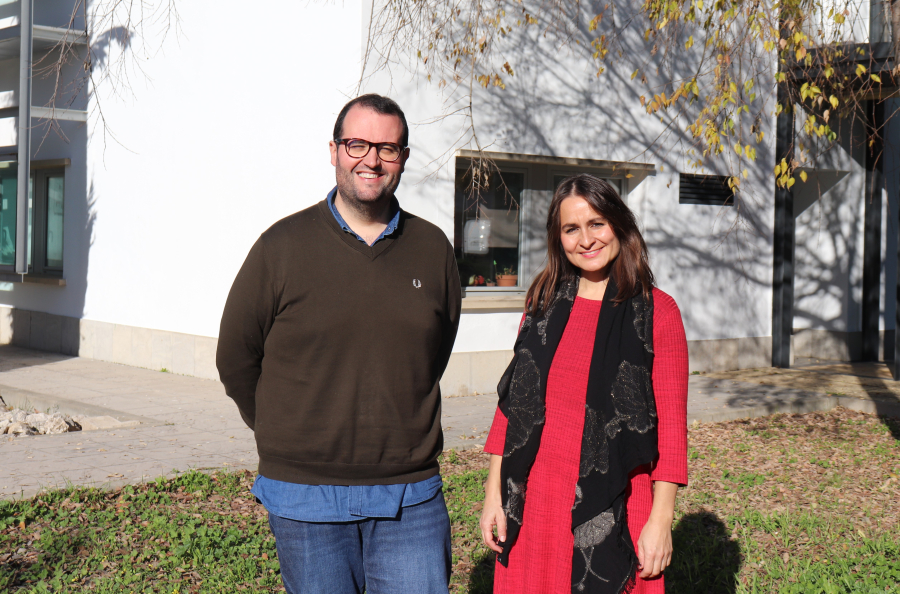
[
  {"x": 20, "y": 428},
  {"x": 22, "y": 423},
  {"x": 36, "y": 419},
  {"x": 53, "y": 426}
]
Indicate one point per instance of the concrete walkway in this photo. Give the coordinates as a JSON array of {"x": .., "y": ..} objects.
[{"x": 159, "y": 423}]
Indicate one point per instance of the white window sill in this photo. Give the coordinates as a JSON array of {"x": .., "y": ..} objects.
[
  {"x": 493, "y": 298},
  {"x": 10, "y": 277}
]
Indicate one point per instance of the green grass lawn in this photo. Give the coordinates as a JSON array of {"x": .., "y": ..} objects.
[{"x": 787, "y": 504}]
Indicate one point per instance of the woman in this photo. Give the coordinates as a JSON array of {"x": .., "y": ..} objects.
[{"x": 589, "y": 441}]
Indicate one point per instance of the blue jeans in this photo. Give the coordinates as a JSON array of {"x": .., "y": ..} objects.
[{"x": 409, "y": 554}]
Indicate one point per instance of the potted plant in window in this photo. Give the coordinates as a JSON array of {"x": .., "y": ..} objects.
[{"x": 508, "y": 277}]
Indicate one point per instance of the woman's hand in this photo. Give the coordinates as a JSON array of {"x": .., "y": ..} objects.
[
  {"x": 492, "y": 513},
  {"x": 654, "y": 550},
  {"x": 654, "y": 547}
]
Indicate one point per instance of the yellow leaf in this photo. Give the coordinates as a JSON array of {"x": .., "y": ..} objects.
[
  {"x": 803, "y": 176},
  {"x": 635, "y": 73},
  {"x": 690, "y": 42},
  {"x": 791, "y": 182},
  {"x": 744, "y": 173},
  {"x": 738, "y": 148},
  {"x": 860, "y": 70},
  {"x": 629, "y": 175},
  {"x": 834, "y": 101},
  {"x": 876, "y": 78}
]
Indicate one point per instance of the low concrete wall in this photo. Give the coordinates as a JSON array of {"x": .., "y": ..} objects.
[
  {"x": 725, "y": 354},
  {"x": 467, "y": 373},
  {"x": 185, "y": 354},
  {"x": 827, "y": 344}
]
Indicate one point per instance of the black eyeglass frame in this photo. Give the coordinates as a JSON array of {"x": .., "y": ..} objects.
[{"x": 377, "y": 146}]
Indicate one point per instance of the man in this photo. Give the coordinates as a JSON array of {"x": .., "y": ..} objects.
[{"x": 334, "y": 337}]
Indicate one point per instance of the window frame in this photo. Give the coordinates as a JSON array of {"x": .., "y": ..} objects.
[
  {"x": 39, "y": 180},
  {"x": 41, "y": 170},
  {"x": 539, "y": 175},
  {"x": 517, "y": 168}
]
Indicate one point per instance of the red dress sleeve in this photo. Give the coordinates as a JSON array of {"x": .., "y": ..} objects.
[
  {"x": 670, "y": 387},
  {"x": 497, "y": 437}
]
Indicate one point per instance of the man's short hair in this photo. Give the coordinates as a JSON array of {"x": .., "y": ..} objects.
[{"x": 378, "y": 104}]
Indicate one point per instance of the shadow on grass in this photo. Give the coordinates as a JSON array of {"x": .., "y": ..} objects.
[
  {"x": 886, "y": 402},
  {"x": 705, "y": 559},
  {"x": 481, "y": 580}
]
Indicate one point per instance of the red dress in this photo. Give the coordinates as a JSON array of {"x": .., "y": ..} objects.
[{"x": 541, "y": 561}]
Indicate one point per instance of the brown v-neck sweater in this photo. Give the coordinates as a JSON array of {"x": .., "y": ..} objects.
[{"x": 333, "y": 349}]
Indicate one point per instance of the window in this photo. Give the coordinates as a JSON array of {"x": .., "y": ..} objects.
[
  {"x": 488, "y": 224},
  {"x": 500, "y": 228},
  {"x": 45, "y": 219},
  {"x": 711, "y": 190}
]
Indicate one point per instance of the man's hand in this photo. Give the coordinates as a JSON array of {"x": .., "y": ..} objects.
[{"x": 492, "y": 513}]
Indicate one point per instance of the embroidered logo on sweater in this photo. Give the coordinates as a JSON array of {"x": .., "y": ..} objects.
[{"x": 417, "y": 283}]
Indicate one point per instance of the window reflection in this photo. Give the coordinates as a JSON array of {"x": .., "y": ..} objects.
[{"x": 487, "y": 224}]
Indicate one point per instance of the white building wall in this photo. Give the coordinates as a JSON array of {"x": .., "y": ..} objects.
[
  {"x": 228, "y": 132},
  {"x": 718, "y": 268}
]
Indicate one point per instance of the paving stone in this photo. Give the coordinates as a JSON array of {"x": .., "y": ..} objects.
[{"x": 103, "y": 422}]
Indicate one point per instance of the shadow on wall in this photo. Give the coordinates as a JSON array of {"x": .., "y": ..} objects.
[
  {"x": 54, "y": 333},
  {"x": 828, "y": 257},
  {"x": 557, "y": 105}
]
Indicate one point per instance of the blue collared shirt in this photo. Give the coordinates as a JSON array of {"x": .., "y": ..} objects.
[
  {"x": 392, "y": 225},
  {"x": 342, "y": 503}
]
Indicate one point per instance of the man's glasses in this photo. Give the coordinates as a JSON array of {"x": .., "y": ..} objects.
[{"x": 358, "y": 148}]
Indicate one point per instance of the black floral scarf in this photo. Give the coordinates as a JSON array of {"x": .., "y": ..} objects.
[{"x": 619, "y": 430}]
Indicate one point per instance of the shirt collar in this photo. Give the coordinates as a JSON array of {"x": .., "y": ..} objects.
[{"x": 391, "y": 226}]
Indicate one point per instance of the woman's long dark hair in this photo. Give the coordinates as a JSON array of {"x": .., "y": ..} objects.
[{"x": 631, "y": 268}]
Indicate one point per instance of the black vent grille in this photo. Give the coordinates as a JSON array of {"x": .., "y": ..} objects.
[{"x": 711, "y": 190}]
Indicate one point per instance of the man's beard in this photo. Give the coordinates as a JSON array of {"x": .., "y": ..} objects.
[{"x": 368, "y": 207}]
